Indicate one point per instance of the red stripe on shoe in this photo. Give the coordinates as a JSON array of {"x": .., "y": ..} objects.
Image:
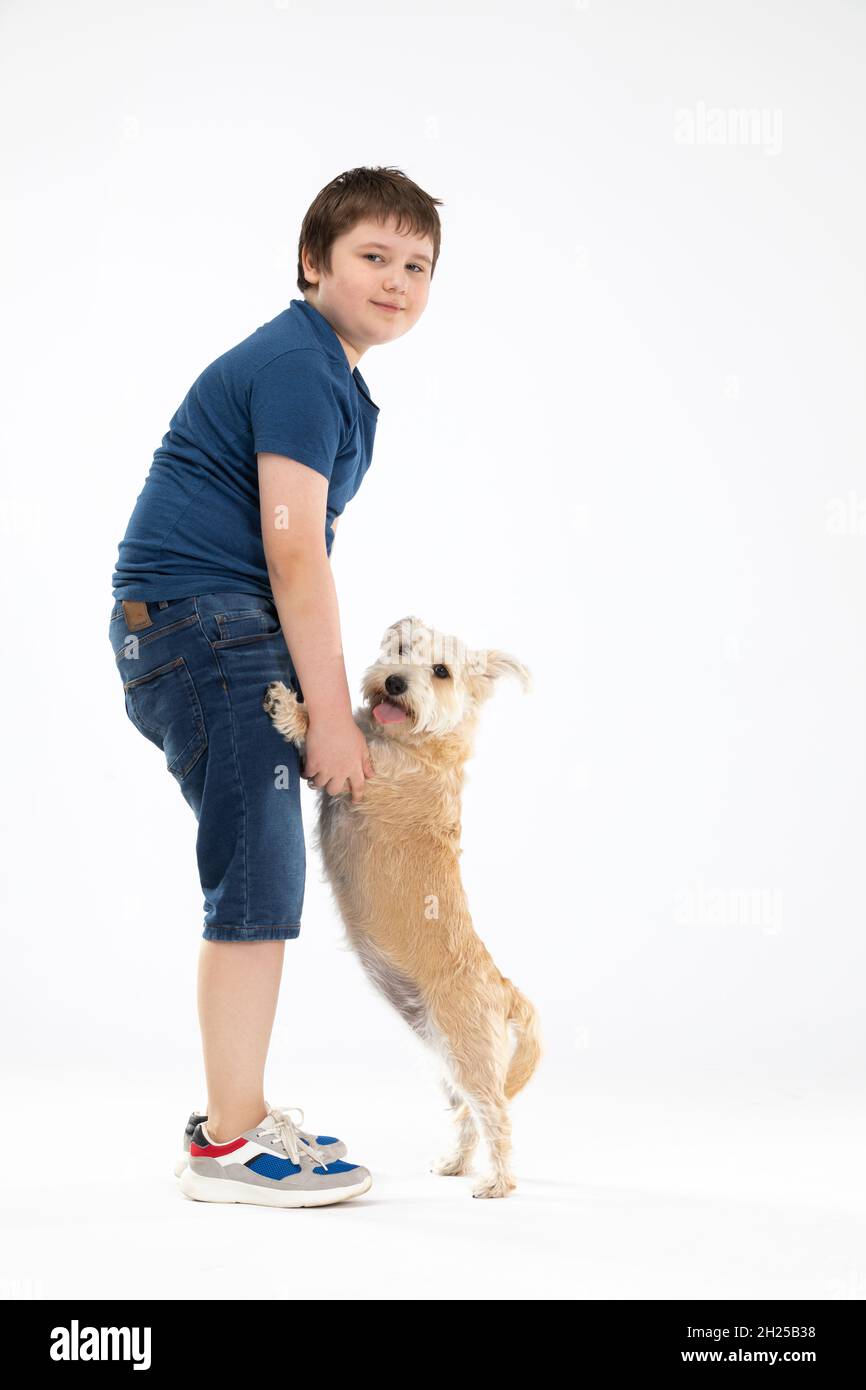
[{"x": 215, "y": 1150}]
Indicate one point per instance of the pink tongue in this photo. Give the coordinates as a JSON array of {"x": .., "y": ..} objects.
[{"x": 386, "y": 713}]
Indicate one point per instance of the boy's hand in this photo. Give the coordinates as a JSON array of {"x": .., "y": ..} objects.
[{"x": 336, "y": 752}]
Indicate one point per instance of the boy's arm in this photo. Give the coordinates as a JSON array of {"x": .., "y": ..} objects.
[{"x": 293, "y": 500}]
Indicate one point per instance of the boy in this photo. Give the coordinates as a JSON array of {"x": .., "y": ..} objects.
[{"x": 223, "y": 584}]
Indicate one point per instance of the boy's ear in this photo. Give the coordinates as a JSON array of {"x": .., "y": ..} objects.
[{"x": 486, "y": 667}]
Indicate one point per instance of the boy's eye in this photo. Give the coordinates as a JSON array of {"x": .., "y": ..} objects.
[{"x": 375, "y": 255}]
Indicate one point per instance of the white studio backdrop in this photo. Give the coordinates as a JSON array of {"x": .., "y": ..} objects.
[{"x": 625, "y": 442}]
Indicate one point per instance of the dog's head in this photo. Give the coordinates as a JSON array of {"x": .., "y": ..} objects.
[{"x": 426, "y": 682}]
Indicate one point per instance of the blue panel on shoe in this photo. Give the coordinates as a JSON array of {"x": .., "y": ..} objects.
[
  {"x": 338, "y": 1166},
  {"x": 271, "y": 1166}
]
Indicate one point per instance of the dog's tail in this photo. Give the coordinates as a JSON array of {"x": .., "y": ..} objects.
[{"x": 527, "y": 1053}]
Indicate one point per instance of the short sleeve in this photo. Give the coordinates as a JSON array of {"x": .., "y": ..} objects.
[{"x": 295, "y": 409}]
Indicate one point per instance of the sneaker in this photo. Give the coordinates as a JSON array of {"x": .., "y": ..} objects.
[
  {"x": 270, "y": 1166},
  {"x": 334, "y": 1148}
]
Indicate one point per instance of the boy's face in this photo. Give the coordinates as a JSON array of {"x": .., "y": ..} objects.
[{"x": 372, "y": 265}]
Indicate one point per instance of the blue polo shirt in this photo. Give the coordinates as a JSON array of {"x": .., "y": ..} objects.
[{"x": 286, "y": 389}]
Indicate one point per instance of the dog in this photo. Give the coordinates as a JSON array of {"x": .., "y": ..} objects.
[{"x": 392, "y": 862}]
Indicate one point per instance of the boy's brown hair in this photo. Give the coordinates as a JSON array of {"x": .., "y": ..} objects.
[{"x": 366, "y": 195}]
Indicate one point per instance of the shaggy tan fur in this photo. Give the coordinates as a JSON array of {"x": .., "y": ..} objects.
[{"x": 392, "y": 862}]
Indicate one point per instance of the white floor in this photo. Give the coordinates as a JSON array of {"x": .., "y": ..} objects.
[{"x": 620, "y": 1195}]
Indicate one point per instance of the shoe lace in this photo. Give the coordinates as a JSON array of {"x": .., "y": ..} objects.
[{"x": 282, "y": 1124}]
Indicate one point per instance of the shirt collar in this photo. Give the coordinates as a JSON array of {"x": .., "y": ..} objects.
[
  {"x": 331, "y": 343},
  {"x": 323, "y": 330}
]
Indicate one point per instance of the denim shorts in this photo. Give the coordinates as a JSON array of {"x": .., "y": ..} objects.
[{"x": 194, "y": 673}]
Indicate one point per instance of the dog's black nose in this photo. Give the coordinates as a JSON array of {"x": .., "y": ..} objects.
[{"x": 395, "y": 685}]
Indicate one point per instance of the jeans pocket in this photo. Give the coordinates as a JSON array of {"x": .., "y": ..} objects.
[
  {"x": 235, "y": 628},
  {"x": 164, "y": 706}
]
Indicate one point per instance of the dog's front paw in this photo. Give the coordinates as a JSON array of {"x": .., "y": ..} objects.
[
  {"x": 274, "y": 693},
  {"x": 288, "y": 715}
]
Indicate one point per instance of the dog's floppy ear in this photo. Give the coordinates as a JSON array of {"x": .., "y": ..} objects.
[{"x": 488, "y": 666}]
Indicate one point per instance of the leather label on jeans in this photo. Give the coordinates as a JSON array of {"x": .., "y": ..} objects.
[{"x": 136, "y": 614}]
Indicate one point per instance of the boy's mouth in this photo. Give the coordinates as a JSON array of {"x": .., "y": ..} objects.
[{"x": 386, "y": 713}]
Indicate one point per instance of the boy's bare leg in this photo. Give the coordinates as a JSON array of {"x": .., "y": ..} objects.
[{"x": 238, "y": 987}]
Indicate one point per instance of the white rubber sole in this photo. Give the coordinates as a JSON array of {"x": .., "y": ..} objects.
[{"x": 204, "y": 1189}]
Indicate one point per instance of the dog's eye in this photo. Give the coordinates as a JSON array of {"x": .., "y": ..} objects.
[{"x": 442, "y": 672}]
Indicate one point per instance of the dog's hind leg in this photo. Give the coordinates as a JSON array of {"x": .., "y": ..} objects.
[
  {"x": 409, "y": 1002},
  {"x": 460, "y": 1161},
  {"x": 479, "y": 1068},
  {"x": 492, "y": 1115}
]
